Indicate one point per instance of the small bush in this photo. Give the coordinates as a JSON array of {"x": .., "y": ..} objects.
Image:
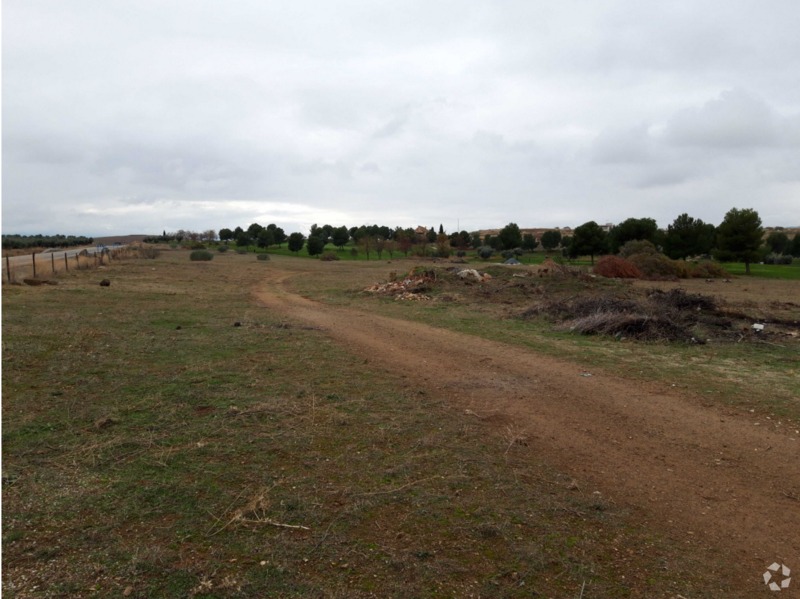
[
  {"x": 222, "y": 249},
  {"x": 461, "y": 253},
  {"x": 328, "y": 257},
  {"x": 637, "y": 246},
  {"x": 198, "y": 246},
  {"x": 615, "y": 267},
  {"x": 709, "y": 270},
  {"x": 201, "y": 256},
  {"x": 149, "y": 253},
  {"x": 658, "y": 266},
  {"x": 262, "y": 257},
  {"x": 241, "y": 251},
  {"x": 777, "y": 259}
]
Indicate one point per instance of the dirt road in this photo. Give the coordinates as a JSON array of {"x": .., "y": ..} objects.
[{"x": 701, "y": 475}]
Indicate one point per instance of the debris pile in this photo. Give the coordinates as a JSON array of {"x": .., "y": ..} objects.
[
  {"x": 470, "y": 274},
  {"x": 416, "y": 283},
  {"x": 672, "y": 315}
]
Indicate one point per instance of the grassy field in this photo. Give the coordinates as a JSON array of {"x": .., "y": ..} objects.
[
  {"x": 770, "y": 271},
  {"x": 152, "y": 448},
  {"x": 791, "y": 271}
]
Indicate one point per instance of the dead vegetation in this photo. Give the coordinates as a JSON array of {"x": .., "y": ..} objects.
[{"x": 572, "y": 300}]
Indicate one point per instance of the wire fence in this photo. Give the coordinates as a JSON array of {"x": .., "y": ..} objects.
[{"x": 40, "y": 267}]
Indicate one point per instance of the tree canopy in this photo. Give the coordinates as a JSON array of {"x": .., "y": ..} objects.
[
  {"x": 551, "y": 239},
  {"x": 589, "y": 239},
  {"x": 739, "y": 237},
  {"x": 688, "y": 236},
  {"x": 510, "y": 236},
  {"x": 633, "y": 229},
  {"x": 296, "y": 242}
]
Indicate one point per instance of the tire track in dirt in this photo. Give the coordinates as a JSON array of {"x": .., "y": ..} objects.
[{"x": 697, "y": 474}]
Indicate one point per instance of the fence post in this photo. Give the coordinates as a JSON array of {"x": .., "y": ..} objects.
[
  {"x": 53, "y": 262},
  {"x": 77, "y": 262},
  {"x": 95, "y": 259},
  {"x": 66, "y": 262},
  {"x": 34, "y": 265},
  {"x": 8, "y": 269}
]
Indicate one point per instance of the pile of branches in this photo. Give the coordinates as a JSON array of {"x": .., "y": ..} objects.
[
  {"x": 662, "y": 316},
  {"x": 677, "y": 299}
]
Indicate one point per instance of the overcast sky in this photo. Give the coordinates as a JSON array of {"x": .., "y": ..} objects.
[{"x": 134, "y": 117}]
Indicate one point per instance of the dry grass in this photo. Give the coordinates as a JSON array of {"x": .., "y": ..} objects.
[{"x": 260, "y": 460}]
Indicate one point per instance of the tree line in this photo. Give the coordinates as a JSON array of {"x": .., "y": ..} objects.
[
  {"x": 19, "y": 242},
  {"x": 739, "y": 238}
]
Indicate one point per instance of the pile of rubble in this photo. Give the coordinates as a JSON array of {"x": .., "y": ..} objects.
[
  {"x": 410, "y": 288},
  {"x": 469, "y": 274}
]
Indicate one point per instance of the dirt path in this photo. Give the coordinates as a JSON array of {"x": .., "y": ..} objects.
[{"x": 698, "y": 474}]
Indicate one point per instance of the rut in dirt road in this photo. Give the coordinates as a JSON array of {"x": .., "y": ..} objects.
[{"x": 698, "y": 474}]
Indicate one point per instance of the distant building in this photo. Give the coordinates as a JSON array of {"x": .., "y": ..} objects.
[
  {"x": 420, "y": 233},
  {"x": 607, "y": 227}
]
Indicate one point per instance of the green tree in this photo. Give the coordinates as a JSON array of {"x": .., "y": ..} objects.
[
  {"x": 778, "y": 242},
  {"x": 315, "y": 245},
  {"x": 589, "y": 239},
  {"x": 687, "y": 236},
  {"x": 794, "y": 248},
  {"x": 279, "y": 236},
  {"x": 431, "y": 235},
  {"x": 510, "y": 237},
  {"x": 265, "y": 238},
  {"x": 529, "y": 242},
  {"x": 485, "y": 252},
  {"x": 476, "y": 240},
  {"x": 441, "y": 229},
  {"x": 637, "y": 229},
  {"x": 253, "y": 230},
  {"x": 242, "y": 239},
  {"x": 296, "y": 242},
  {"x": 340, "y": 237},
  {"x": 739, "y": 237},
  {"x": 225, "y": 235},
  {"x": 551, "y": 239}
]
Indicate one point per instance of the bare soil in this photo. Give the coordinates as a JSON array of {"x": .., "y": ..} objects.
[{"x": 703, "y": 475}]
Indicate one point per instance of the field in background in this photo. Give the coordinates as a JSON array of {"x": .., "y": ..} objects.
[
  {"x": 150, "y": 444},
  {"x": 791, "y": 271}
]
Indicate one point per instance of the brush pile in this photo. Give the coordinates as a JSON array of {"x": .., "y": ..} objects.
[
  {"x": 614, "y": 267},
  {"x": 661, "y": 316}
]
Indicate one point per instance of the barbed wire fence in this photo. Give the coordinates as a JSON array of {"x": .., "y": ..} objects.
[{"x": 41, "y": 267}]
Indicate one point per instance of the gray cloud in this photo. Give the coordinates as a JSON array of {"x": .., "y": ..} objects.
[{"x": 135, "y": 117}]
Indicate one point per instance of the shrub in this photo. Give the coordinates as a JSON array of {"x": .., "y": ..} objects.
[
  {"x": 241, "y": 251},
  {"x": 709, "y": 270},
  {"x": 615, "y": 267},
  {"x": 354, "y": 252},
  {"x": 328, "y": 257},
  {"x": 659, "y": 266},
  {"x": 507, "y": 254},
  {"x": 262, "y": 257},
  {"x": 149, "y": 253},
  {"x": 485, "y": 252},
  {"x": 223, "y": 248},
  {"x": 461, "y": 253},
  {"x": 637, "y": 246},
  {"x": 777, "y": 259},
  {"x": 197, "y": 246},
  {"x": 201, "y": 256}
]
